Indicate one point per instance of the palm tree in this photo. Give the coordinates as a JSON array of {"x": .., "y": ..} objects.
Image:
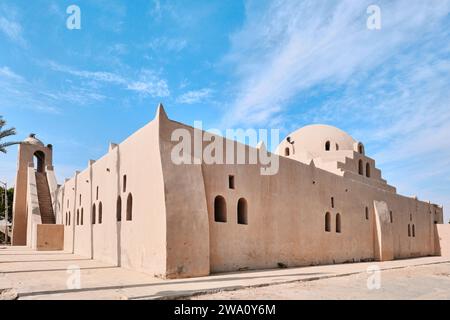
[{"x": 5, "y": 133}]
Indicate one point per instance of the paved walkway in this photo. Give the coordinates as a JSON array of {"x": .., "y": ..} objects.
[{"x": 45, "y": 275}]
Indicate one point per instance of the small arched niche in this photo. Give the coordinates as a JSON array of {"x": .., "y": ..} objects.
[
  {"x": 338, "y": 223},
  {"x": 367, "y": 170},
  {"x": 327, "y": 222},
  {"x": 242, "y": 211},
  {"x": 220, "y": 209},
  {"x": 360, "y": 167},
  {"x": 360, "y": 148}
]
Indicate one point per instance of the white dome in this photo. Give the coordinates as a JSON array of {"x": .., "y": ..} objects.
[
  {"x": 317, "y": 138},
  {"x": 33, "y": 140}
]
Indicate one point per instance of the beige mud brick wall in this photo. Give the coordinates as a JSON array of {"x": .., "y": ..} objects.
[{"x": 50, "y": 237}]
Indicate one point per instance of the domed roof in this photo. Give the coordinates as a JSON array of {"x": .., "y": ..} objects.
[
  {"x": 33, "y": 140},
  {"x": 315, "y": 139}
]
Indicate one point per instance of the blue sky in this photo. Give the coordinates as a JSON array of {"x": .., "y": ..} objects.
[{"x": 240, "y": 63}]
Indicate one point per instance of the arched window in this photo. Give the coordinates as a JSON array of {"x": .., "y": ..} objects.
[
  {"x": 332, "y": 202},
  {"x": 414, "y": 230},
  {"x": 129, "y": 207},
  {"x": 100, "y": 213},
  {"x": 82, "y": 211},
  {"x": 367, "y": 170},
  {"x": 220, "y": 209},
  {"x": 78, "y": 217},
  {"x": 242, "y": 216},
  {"x": 124, "y": 184},
  {"x": 119, "y": 209},
  {"x": 327, "y": 222},
  {"x": 287, "y": 152},
  {"x": 367, "y": 213},
  {"x": 69, "y": 218},
  {"x": 337, "y": 147},
  {"x": 93, "y": 214},
  {"x": 327, "y": 146},
  {"x": 409, "y": 230},
  {"x": 361, "y": 148},
  {"x": 391, "y": 216},
  {"x": 39, "y": 161},
  {"x": 360, "y": 167},
  {"x": 338, "y": 223},
  {"x": 96, "y": 194}
]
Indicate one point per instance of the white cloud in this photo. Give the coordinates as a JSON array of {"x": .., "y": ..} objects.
[
  {"x": 157, "y": 88},
  {"x": 167, "y": 44},
  {"x": 147, "y": 84},
  {"x": 90, "y": 75},
  {"x": 8, "y": 73},
  {"x": 192, "y": 97},
  {"x": 13, "y": 30},
  {"x": 303, "y": 44}
]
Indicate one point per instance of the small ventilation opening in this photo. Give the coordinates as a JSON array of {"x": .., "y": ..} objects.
[
  {"x": 287, "y": 152},
  {"x": 231, "y": 182}
]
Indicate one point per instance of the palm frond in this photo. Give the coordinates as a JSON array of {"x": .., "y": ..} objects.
[
  {"x": 7, "y": 133},
  {"x": 8, "y": 144}
]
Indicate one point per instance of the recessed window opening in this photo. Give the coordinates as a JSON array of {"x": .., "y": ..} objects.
[
  {"x": 93, "y": 213},
  {"x": 338, "y": 223},
  {"x": 119, "y": 209},
  {"x": 129, "y": 207},
  {"x": 327, "y": 222},
  {"x": 361, "y": 148},
  {"x": 231, "y": 182},
  {"x": 242, "y": 211},
  {"x": 100, "y": 213},
  {"x": 220, "y": 209}
]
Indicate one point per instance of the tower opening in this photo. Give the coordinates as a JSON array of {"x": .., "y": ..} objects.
[{"x": 39, "y": 161}]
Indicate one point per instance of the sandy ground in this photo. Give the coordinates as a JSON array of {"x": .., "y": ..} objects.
[
  {"x": 416, "y": 282},
  {"x": 62, "y": 275}
]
